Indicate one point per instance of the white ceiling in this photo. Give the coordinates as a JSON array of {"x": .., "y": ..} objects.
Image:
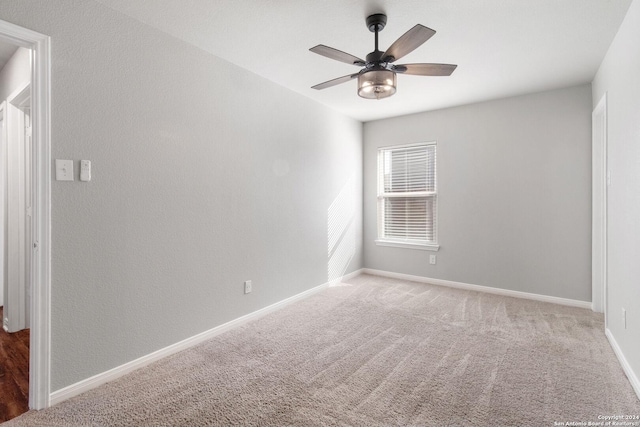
[{"x": 502, "y": 47}]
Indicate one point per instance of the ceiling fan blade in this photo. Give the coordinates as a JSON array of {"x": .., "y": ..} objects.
[
  {"x": 334, "y": 82},
  {"x": 409, "y": 41},
  {"x": 426, "y": 69},
  {"x": 336, "y": 54}
]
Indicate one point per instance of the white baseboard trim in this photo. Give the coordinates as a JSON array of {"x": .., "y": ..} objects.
[
  {"x": 479, "y": 288},
  {"x": 112, "y": 374},
  {"x": 633, "y": 378}
]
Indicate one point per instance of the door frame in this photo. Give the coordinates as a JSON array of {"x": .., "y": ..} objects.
[
  {"x": 40, "y": 336},
  {"x": 600, "y": 183},
  {"x": 3, "y": 195}
]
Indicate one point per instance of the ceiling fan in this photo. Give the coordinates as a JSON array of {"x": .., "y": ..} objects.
[{"x": 377, "y": 78}]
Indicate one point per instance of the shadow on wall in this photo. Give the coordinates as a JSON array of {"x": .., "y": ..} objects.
[{"x": 341, "y": 233}]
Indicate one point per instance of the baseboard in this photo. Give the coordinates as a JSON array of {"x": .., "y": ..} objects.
[
  {"x": 633, "y": 378},
  {"x": 112, "y": 374},
  {"x": 479, "y": 288}
]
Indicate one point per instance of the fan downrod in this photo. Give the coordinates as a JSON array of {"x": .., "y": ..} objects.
[{"x": 376, "y": 22}]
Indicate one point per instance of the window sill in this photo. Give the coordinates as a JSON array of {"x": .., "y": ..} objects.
[{"x": 419, "y": 246}]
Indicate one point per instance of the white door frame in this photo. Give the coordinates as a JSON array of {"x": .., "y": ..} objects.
[
  {"x": 40, "y": 336},
  {"x": 3, "y": 190},
  {"x": 600, "y": 181}
]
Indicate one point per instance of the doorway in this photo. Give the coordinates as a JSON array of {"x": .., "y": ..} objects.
[
  {"x": 16, "y": 196},
  {"x": 29, "y": 107},
  {"x": 18, "y": 201}
]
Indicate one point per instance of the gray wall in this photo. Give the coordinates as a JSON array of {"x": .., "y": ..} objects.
[
  {"x": 204, "y": 175},
  {"x": 514, "y": 202},
  {"x": 618, "y": 78}
]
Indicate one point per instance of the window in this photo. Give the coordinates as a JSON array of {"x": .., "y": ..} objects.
[{"x": 407, "y": 196}]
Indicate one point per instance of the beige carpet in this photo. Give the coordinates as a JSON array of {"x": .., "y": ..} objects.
[{"x": 376, "y": 352}]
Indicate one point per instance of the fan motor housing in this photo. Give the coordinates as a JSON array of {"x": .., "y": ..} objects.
[{"x": 374, "y": 56}]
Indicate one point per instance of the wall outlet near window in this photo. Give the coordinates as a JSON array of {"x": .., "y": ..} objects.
[
  {"x": 432, "y": 259},
  {"x": 247, "y": 287}
]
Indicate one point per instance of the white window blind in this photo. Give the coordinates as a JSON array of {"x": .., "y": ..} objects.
[{"x": 407, "y": 194}]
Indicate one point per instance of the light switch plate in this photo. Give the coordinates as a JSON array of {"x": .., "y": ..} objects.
[{"x": 64, "y": 170}]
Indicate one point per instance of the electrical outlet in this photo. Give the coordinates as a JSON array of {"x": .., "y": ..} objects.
[
  {"x": 624, "y": 318},
  {"x": 247, "y": 287},
  {"x": 432, "y": 259}
]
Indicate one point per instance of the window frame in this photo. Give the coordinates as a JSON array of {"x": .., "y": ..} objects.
[{"x": 425, "y": 245}]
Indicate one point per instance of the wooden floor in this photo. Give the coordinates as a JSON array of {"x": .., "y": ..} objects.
[{"x": 14, "y": 373}]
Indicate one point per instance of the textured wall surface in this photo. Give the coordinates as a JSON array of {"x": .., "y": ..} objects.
[
  {"x": 204, "y": 175},
  {"x": 514, "y": 202},
  {"x": 618, "y": 78}
]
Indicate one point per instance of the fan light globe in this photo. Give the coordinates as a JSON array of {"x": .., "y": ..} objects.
[{"x": 377, "y": 84}]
